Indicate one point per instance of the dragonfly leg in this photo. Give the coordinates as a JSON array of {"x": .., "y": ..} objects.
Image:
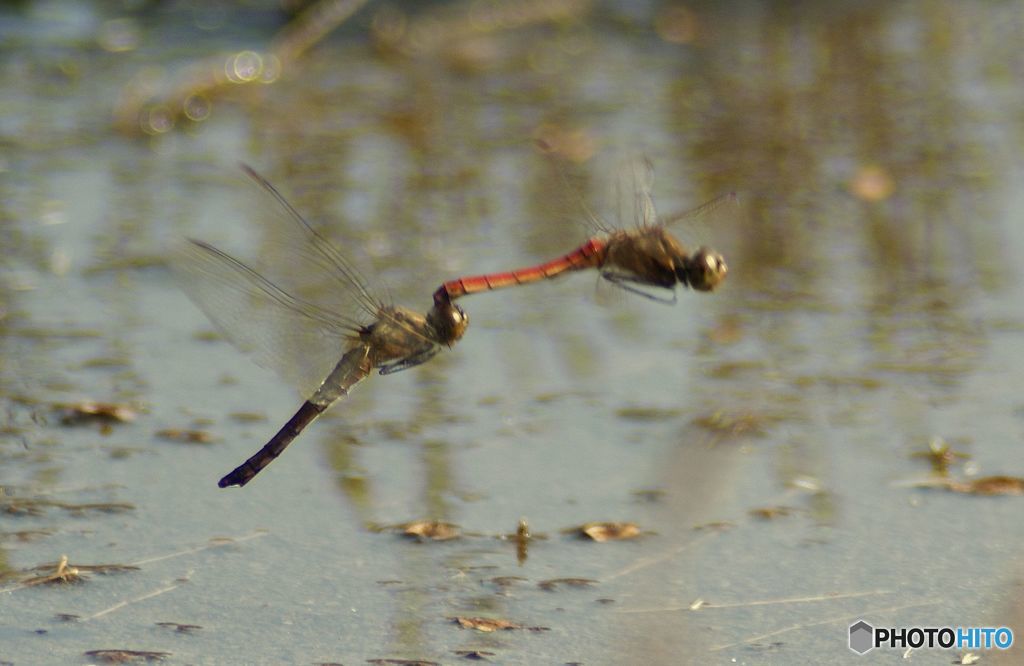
[
  {"x": 408, "y": 362},
  {"x": 627, "y": 281}
]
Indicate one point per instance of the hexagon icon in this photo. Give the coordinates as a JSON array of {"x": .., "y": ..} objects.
[{"x": 862, "y": 637}]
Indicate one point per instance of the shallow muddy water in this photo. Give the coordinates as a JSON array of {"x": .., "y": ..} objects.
[{"x": 769, "y": 440}]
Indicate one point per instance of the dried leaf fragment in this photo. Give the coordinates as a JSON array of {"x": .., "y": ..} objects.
[
  {"x": 477, "y": 655},
  {"x": 63, "y": 574},
  {"x": 991, "y": 485},
  {"x": 716, "y": 525},
  {"x": 771, "y": 512},
  {"x": 485, "y": 624},
  {"x": 552, "y": 584},
  {"x": 608, "y": 531},
  {"x": 637, "y": 413},
  {"x": 186, "y": 436},
  {"x": 431, "y": 529},
  {"x": 126, "y": 656},
  {"x": 986, "y": 485},
  {"x": 180, "y": 628},
  {"x": 505, "y": 581},
  {"x": 92, "y": 410},
  {"x": 734, "y": 425}
]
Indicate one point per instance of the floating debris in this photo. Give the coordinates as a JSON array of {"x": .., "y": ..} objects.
[
  {"x": 434, "y": 530},
  {"x": 127, "y": 656},
  {"x": 606, "y": 531},
  {"x": 839, "y": 382},
  {"x": 716, "y": 525},
  {"x": 522, "y": 538},
  {"x": 400, "y": 662},
  {"x": 248, "y": 417},
  {"x": 187, "y": 436},
  {"x": 180, "y": 628},
  {"x": 553, "y": 584},
  {"x": 986, "y": 485},
  {"x": 650, "y": 495},
  {"x": 87, "y": 411},
  {"x": 26, "y": 536},
  {"x": 488, "y": 624},
  {"x": 771, "y": 512},
  {"x": 123, "y": 452},
  {"x": 36, "y": 506},
  {"x": 63, "y": 574},
  {"x": 941, "y": 455},
  {"x": 637, "y": 413},
  {"x": 503, "y": 582},
  {"x": 477, "y": 655},
  {"x": 734, "y": 425}
]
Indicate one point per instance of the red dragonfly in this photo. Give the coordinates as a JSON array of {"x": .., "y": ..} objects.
[
  {"x": 301, "y": 339},
  {"x": 646, "y": 255}
]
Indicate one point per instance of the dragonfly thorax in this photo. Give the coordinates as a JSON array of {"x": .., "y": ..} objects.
[{"x": 649, "y": 257}]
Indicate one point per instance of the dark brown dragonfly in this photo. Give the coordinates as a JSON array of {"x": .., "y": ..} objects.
[
  {"x": 302, "y": 338},
  {"x": 646, "y": 255}
]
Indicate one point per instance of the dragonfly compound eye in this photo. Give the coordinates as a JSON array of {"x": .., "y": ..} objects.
[
  {"x": 706, "y": 270},
  {"x": 449, "y": 321}
]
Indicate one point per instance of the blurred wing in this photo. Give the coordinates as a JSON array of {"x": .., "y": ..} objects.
[
  {"x": 297, "y": 339},
  {"x": 633, "y": 187},
  {"x": 727, "y": 204},
  {"x": 304, "y": 242},
  {"x": 312, "y": 266}
]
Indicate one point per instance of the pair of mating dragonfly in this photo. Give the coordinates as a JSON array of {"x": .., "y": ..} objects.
[{"x": 397, "y": 338}]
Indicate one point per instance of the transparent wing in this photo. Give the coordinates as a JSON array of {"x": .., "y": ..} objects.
[
  {"x": 565, "y": 192},
  {"x": 323, "y": 267},
  {"x": 299, "y": 340},
  {"x": 310, "y": 265},
  {"x": 725, "y": 204},
  {"x": 633, "y": 188}
]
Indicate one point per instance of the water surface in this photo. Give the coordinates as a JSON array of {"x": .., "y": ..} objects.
[{"x": 762, "y": 437}]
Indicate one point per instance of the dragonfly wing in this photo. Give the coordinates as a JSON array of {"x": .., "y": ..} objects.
[
  {"x": 725, "y": 204},
  {"x": 633, "y": 188},
  {"x": 298, "y": 339},
  {"x": 324, "y": 267},
  {"x": 326, "y": 277}
]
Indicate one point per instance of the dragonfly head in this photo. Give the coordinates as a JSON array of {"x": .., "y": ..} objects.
[
  {"x": 703, "y": 271},
  {"x": 449, "y": 321}
]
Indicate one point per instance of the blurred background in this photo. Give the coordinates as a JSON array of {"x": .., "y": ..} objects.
[{"x": 833, "y": 435}]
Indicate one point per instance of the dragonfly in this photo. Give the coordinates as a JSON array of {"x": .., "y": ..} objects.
[
  {"x": 302, "y": 338},
  {"x": 646, "y": 255}
]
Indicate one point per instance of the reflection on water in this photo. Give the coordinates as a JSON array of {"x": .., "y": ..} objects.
[{"x": 761, "y": 437}]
